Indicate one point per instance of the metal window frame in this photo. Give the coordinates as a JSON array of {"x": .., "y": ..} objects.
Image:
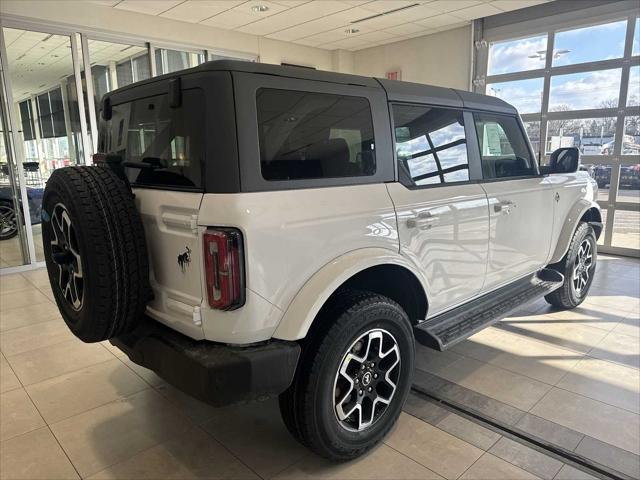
[{"x": 560, "y": 23}]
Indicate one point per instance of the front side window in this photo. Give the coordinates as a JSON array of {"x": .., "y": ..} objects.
[
  {"x": 167, "y": 143},
  {"x": 503, "y": 147},
  {"x": 430, "y": 144},
  {"x": 309, "y": 135}
]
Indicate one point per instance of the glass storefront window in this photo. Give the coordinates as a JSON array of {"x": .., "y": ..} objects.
[
  {"x": 601, "y": 173},
  {"x": 533, "y": 132},
  {"x": 115, "y": 65},
  {"x": 525, "y": 95},
  {"x": 518, "y": 55},
  {"x": 582, "y": 91},
  {"x": 593, "y": 136},
  {"x": 636, "y": 38},
  {"x": 633, "y": 93},
  {"x": 626, "y": 229},
  {"x": 631, "y": 139},
  {"x": 168, "y": 61},
  {"x": 589, "y": 44}
]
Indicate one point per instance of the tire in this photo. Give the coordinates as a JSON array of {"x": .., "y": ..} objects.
[
  {"x": 583, "y": 245},
  {"x": 347, "y": 325},
  {"x": 8, "y": 220},
  {"x": 95, "y": 251}
]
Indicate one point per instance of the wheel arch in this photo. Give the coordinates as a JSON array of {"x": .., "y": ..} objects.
[
  {"x": 375, "y": 269},
  {"x": 582, "y": 211}
]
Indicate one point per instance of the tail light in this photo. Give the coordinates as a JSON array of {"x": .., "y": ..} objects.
[{"x": 224, "y": 268}]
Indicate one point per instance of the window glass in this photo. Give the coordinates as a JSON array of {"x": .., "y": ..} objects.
[
  {"x": 26, "y": 119},
  {"x": 631, "y": 139},
  {"x": 636, "y": 38},
  {"x": 593, "y": 136},
  {"x": 167, "y": 142},
  {"x": 581, "y": 91},
  {"x": 517, "y": 55},
  {"x": 633, "y": 94},
  {"x": 525, "y": 95},
  {"x": 503, "y": 147},
  {"x": 430, "y": 144},
  {"x": 168, "y": 61},
  {"x": 305, "y": 135},
  {"x": 533, "y": 132},
  {"x": 590, "y": 44}
]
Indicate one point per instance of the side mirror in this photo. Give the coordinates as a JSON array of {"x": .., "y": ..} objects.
[{"x": 564, "y": 160}]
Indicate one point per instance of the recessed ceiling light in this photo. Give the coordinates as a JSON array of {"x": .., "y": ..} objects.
[
  {"x": 259, "y": 8},
  {"x": 350, "y": 31}
]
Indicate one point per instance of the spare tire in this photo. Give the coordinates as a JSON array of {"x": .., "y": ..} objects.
[{"x": 95, "y": 251}]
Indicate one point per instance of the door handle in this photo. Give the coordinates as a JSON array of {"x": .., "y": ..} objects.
[
  {"x": 504, "y": 206},
  {"x": 422, "y": 220}
]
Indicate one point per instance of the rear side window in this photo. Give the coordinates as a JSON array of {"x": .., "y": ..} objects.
[
  {"x": 169, "y": 143},
  {"x": 503, "y": 147},
  {"x": 430, "y": 144},
  {"x": 307, "y": 135}
]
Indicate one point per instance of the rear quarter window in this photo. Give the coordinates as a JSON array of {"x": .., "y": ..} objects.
[
  {"x": 310, "y": 135},
  {"x": 168, "y": 141}
]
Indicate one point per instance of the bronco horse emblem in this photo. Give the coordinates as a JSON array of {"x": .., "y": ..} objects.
[{"x": 184, "y": 259}]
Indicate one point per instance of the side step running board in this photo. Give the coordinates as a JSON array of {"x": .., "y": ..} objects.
[{"x": 449, "y": 328}]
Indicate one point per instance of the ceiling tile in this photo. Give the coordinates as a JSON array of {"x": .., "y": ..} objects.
[
  {"x": 243, "y": 15},
  {"x": 106, "y": 3},
  {"x": 408, "y": 29},
  {"x": 446, "y": 6},
  {"x": 381, "y": 6},
  {"x": 508, "y": 5},
  {"x": 290, "y": 3},
  {"x": 452, "y": 26},
  {"x": 346, "y": 43},
  {"x": 295, "y": 16},
  {"x": 438, "y": 21},
  {"x": 479, "y": 11},
  {"x": 196, "y": 11},
  {"x": 330, "y": 22},
  {"x": 150, "y": 7}
]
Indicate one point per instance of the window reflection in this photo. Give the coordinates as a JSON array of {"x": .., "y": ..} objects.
[
  {"x": 593, "y": 136},
  {"x": 581, "y": 91},
  {"x": 168, "y": 61},
  {"x": 525, "y": 95},
  {"x": 590, "y": 44},
  {"x": 517, "y": 55},
  {"x": 430, "y": 144}
]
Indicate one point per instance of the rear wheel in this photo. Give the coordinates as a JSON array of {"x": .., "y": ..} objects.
[
  {"x": 8, "y": 220},
  {"x": 578, "y": 267},
  {"x": 353, "y": 377}
]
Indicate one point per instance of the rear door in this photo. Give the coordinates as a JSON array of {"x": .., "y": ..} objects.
[
  {"x": 442, "y": 212},
  {"x": 521, "y": 201},
  {"x": 164, "y": 143}
]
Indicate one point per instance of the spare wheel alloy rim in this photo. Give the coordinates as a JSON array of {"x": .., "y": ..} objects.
[
  {"x": 8, "y": 222},
  {"x": 366, "y": 380},
  {"x": 66, "y": 255}
]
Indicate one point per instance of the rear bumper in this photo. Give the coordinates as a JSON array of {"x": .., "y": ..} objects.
[{"x": 214, "y": 373}]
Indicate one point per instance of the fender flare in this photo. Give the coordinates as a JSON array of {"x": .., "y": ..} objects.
[
  {"x": 302, "y": 310},
  {"x": 569, "y": 226}
]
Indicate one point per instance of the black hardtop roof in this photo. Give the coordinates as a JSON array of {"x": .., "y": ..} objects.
[{"x": 396, "y": 90}]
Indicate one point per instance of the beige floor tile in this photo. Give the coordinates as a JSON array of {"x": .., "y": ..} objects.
[
  {"x": 618, "y": 348},
  {"x": 14, "y": 283},
  {"x": 435, "y": 449},
  {"x": 31, "y": 337},
  {"x": 435, "y": 361},
  {"x": 38, "y": 277},
  {"x": 47, "y": 362},
  {"x": 610, "y": 424},
  {"x": 29, "y": 315},
  {"x": 8, "y": 379},
  {"x": 568, "y": 472},
  {"x": 629, "y": 326},
  {"x": 112, "y": 433},
  {"x": 508, "y": 387},
  {"x": 623, "y": 303},
  {"x": 605, "y": 381},
  {"x": 492, "y": 467},
  {"x": 147, "y": 375},
  {"x": 115, "y": 350},
  {"x": 46, "y": 290},
  {"x": 34, "y": 456},
  {"x": 25, "y": 298},
  {"x": 513, "y": 352},
  {"x": 100, "y": 384},
  {"x": 605, "y": 318},
  {"x": 256, "y": 435},
  {"x": 18, "y": 415},
  {"x": 188, "y": 456},
  {"x": 199, "y": 412},
  {"x": 383, "y": 463}
]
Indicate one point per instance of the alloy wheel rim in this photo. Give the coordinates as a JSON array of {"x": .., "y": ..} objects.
[
  {"x": 8, "y": 221},
  {"x": 66, "y": 255},
  {"x": 366, "y": 380},
  {"x": 582, "y": 267}
]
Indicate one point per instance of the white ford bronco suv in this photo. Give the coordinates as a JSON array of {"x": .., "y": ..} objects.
[{"x": 253, "y": 230}]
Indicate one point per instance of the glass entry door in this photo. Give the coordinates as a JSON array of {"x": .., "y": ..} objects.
[{"x": 43, "y": 98}]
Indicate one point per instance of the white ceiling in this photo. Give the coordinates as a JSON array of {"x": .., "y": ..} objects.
[{"x": 323, "y": 23}]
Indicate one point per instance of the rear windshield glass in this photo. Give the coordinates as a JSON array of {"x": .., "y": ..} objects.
[
  {"x": 308, "y": 135},
  {"x": 166, "y": 143}
]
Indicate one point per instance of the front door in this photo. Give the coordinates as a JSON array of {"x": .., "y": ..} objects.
[
  {"x": 521, "y": 204},
  {"x": 442, "y": 215}
]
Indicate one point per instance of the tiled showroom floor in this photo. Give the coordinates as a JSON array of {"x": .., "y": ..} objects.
[{"x": 72, "y": 410}]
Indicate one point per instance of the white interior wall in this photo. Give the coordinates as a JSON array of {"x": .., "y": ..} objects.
[
  {"x": 93, "y": 17},
  {"x": 442, "y": 59}
]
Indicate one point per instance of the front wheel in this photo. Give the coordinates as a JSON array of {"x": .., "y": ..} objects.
[
  {"x": 8, "y": 221},
  {"x": 353, "y": 376},
  {"x": 578, "y": 267}
]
